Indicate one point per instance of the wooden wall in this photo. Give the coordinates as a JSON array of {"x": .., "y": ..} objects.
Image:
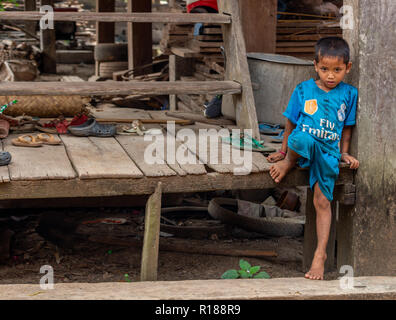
[
  {"x": 259, "y": 24},
  {"x": 368, "y": 230}
]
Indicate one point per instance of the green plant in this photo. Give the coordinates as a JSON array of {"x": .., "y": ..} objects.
[
  {"x": 9, "y": 1},
  {"x": 246, "y": 272}
]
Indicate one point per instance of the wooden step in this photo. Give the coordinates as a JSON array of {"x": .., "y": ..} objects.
[
  {"x": 118, "y": 88},
  {"x": 165, "y": 17}
]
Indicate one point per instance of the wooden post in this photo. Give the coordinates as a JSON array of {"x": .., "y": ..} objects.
[
  {"x": 104, "y": 30},
  {"x": 149, "y": 265},
  {"x": 172, "y": 77},
  {"x": 369, "y": 234},
  {"x": 259, "y": 15},
  {"x": 310, "y": 235},
  {"x": 140, "y": 38},
  {"x": 47, "y": 45},
  {"x": 240, "y": 107},
  {"x": 30, "y": 5}
]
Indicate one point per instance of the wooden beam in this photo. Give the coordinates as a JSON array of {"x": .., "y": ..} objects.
[
  {"x": 240, "y": 107},
  {"x": 164, "y": 17},
  {"x": 75, "y": 188},
  {"x": 118, "y": 88},
  {"x": 149, "y": 265},
  {"x": 140, "y": 39},
  {"x": 105, "y": 31},
  {"x": 172, "y": 78},
  {"x": 48, "y": 45},
  {"x": 30, "y": 5}
]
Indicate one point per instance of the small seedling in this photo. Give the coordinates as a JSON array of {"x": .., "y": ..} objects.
[
  {"x": 246, "y": 272},
  {"x": 126, "y": 276}
]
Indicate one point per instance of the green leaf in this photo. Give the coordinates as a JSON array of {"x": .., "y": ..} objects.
[
  {"x": 230, "y": 274},
  {"x": 244, "y": 274},
  {"x": 244, "y": 265},
  {"x": 262, "y": 275},
  {"x": 254, "y": 270}
]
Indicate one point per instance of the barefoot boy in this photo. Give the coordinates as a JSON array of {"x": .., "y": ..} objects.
[{"x": 320, "y": 116}]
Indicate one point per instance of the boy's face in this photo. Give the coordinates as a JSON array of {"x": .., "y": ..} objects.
[{"x": 331, "y": 71}]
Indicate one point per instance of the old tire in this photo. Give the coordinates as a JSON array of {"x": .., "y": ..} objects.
[
  {"x": 108, "y": 52},
  {"x": 225, "y": 210},
  {"x": 106, "y": 69}
]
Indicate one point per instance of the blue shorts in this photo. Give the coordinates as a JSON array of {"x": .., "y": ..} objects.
[{"x": 323, "y": 167}]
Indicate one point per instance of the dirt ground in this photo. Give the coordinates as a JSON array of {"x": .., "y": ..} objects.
[{"x": 79, "y": 259}]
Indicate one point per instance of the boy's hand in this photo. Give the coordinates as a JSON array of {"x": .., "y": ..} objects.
[
  {"x": 275, "y": 157},
  {"x": 352, "y": 161}
]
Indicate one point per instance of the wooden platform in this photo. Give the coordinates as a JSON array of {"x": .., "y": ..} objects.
[{"x": 95, "y": 167}]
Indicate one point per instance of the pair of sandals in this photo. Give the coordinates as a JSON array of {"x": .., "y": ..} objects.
[{"x": 28, "y": 140}]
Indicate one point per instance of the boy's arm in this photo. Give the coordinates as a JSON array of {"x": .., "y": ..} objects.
[
  {"x": 344, "y": 148},
  {"x": 277, "y": 156}
]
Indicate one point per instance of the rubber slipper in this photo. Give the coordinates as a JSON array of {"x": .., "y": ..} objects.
[
  {"x": 93, "y": 128},
  {"x": 47, "y": 138},
  {"x": 278, "y": 138},
  {"x": 247, "y": 143},
  {"x": 46, "y": 129},
  {"x": 5, "y": 158},
  {"x": 23, "y": 142},
  {"x": 271, "y": 129}
]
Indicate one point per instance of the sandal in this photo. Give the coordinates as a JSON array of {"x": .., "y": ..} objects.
[
  {"x": 245, "y": 142},
  {"x": 270, "y": 129},
  {"x": 23, "y": 142},
  {"x": 47, "y": 138}
]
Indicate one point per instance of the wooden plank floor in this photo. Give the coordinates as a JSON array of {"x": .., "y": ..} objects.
[{"x": 93, "y": 166}]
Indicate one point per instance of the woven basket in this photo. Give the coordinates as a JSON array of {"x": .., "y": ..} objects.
[{"x": 44, "y": 106}]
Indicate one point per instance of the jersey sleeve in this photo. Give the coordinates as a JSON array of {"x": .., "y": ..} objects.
[
  {"x": 295, "y": 106},
  {"x": 350, "y": 119}
]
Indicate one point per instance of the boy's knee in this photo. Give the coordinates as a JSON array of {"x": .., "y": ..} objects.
[{"x": 321, "y": 202}]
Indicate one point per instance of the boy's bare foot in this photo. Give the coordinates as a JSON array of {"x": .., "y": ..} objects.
[
  {"x": 280, "y": 169},
  {"x": 317, "y": 268}
]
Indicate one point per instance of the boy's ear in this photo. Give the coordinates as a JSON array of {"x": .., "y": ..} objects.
[
  {"x": 316, "y": 65},
  {"x": 349, "y": 67}
]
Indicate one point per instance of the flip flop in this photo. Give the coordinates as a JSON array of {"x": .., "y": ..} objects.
[
  {"x": 247, "y": 143},
  {"x": 278, "y": 138},
  {"x": 47, "y": 138},
  {"x": 5, "y": 158},
  {"x": 23, "y": 142},
  {"x": 271, "y": 129}
]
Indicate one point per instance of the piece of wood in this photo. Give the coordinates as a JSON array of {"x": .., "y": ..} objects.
[
  {"x": 136, "y": 148},
  {"x": 105, "y": 31},
  {"x": 237, "y": 69},
  {"x": 259, "y": 15},
  {"x": 74, "y": 188},
  {"x": 199, "y": 117},
  {"x": 137, "y": 17},
  {"x": 172, "y": 78},
  {"x": 74, "y": 56},
  {"x": 94, "y": 158},
  {"x": 371, "y": 222},
  {"x": 119, "y": 88},
  {"x": 30, "y": 26},
  {"x": 158, "y": 121},
  {"x": 47, "y": 45},
  {"x": 140, "y": 40},
  {"x": 149, "y": 264},
  {"x": 41, "y": 163},
  {"x": 185, "y": 52},
  {"x": 174, "y": 246}
]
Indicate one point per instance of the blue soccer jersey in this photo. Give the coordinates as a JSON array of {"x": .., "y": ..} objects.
[{"x": 323, "y": 114}]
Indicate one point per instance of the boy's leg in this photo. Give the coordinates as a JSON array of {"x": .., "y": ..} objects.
[
  {"x": 281, "y": 168},
  {"x": 323, "y": 222}
]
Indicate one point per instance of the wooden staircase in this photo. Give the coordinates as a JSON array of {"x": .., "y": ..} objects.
[{"x": 236, "y": 88}]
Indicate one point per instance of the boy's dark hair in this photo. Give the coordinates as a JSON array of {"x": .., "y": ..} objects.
[{"x": 332, "y": 47}]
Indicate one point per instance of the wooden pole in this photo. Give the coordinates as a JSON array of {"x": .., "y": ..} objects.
[
  {"x": 47, "y": 44},
  {"x": 104, "y": 30},
  {"x": 240, "y": 107},
  {"x": 369, "y": 234},
  {"x": 30, "y": 5},
  {"x": 140, "y": 39},
  {"x": 150, "y": 250}
]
